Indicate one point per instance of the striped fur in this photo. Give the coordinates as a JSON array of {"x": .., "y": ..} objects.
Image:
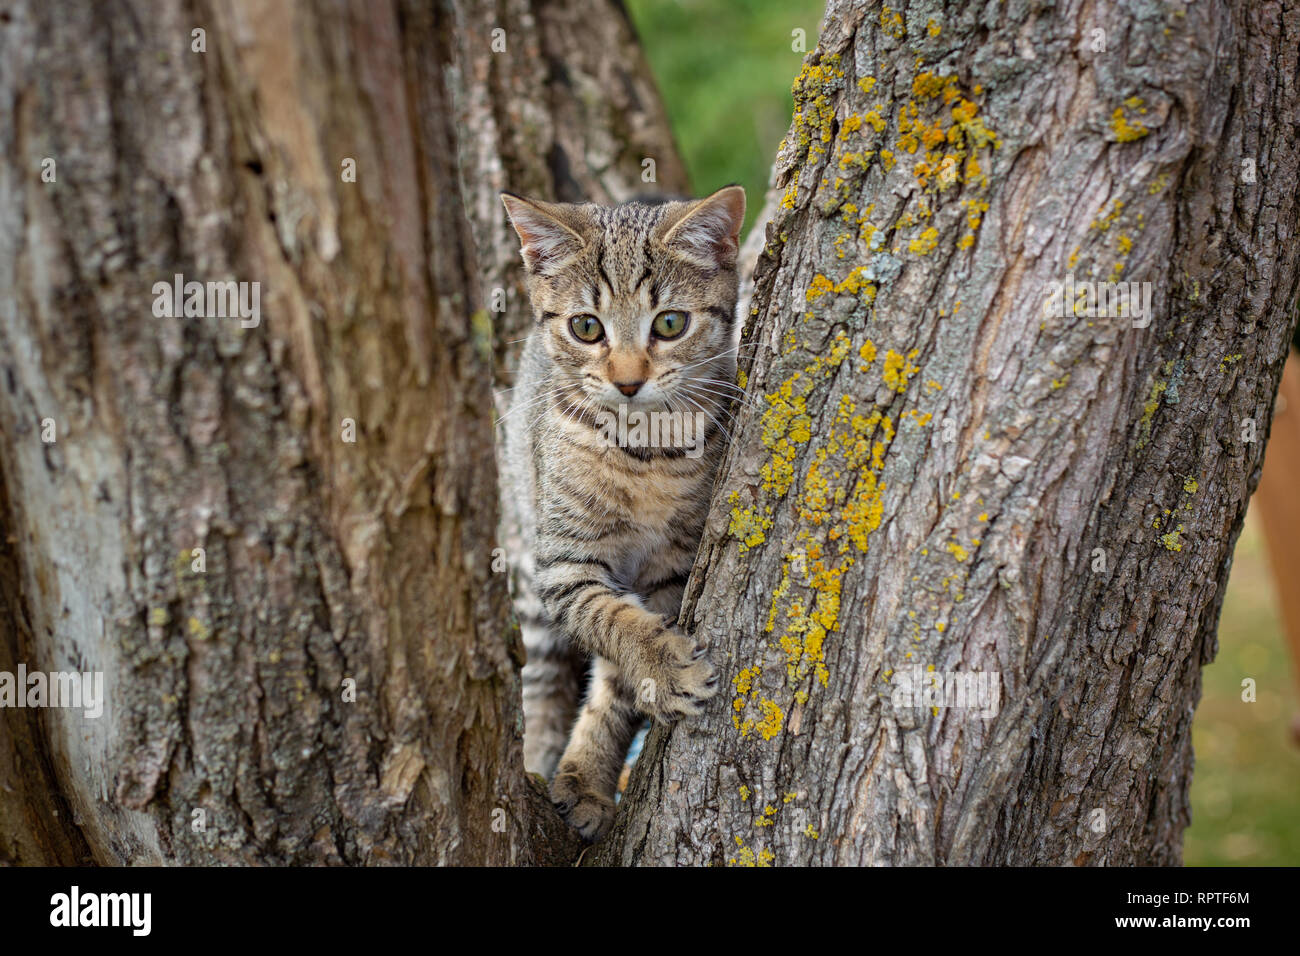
[{"x": 610, "y": 528}]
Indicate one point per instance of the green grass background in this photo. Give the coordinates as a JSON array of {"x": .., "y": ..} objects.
[
  {"x": 1247, "y": 778},
  {"x": 725, "y": 68}
]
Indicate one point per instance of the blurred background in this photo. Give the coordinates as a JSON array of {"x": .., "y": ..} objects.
[{"x": 725, "y": 68}]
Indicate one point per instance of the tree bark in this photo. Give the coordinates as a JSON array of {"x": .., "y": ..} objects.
[
  {"x": 229, "y": 733},
  {"x": 937, "y": 474},
  {"x": 36, "y": 825},
  {"x": 567, "y": 112}
]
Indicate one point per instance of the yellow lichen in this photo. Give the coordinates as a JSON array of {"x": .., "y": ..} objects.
[
  {"x": 1126, "y": 132},
  {"x": 892, "y": 23},
  {"x": 925, "y": 243},
  {"x": 898, "y": 370},
  {"x": 819, "y": 286},
  {"x": 1104, "y": 223},
  {"x": 773, "y": 719},
  {"x": 747, "y": 857},
  {"x": 1172, "y": 541},
  {"x": 748, "y": 526},
  {"x": 1149, "y": 411}
]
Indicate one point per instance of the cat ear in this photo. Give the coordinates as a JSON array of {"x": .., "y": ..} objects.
[
  {"x": 708, "y": 232},
  {"x": 547, "y": 242}
]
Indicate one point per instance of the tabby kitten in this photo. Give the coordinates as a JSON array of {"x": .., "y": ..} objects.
[{"x": 634, "y": 309}]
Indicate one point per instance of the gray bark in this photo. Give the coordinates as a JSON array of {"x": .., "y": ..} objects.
[
  {"x": 829, "y": 567},
  {"x": 568, "y": 113}
]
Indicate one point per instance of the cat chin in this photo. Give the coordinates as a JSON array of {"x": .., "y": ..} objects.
[
  {"x": 636, "y": 403},
  {"x": 639, "y": 402}
]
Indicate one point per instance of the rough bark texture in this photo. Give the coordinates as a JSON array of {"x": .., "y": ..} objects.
[
  {"x": 36, "y": 826},
  {"x": 325, "y": 559},
  {"x": 931, "y": 462},
  {"x": 567, "y": 111}
]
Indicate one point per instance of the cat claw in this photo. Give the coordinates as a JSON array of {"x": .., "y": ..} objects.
[
  {"x": 585, "y": 811},
  {"x": 564, "y": 807}
]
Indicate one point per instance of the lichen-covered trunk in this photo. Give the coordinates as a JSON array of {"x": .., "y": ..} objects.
[
  {"x": 274, "y": 536},
  {"x": 967, "y": 556}
]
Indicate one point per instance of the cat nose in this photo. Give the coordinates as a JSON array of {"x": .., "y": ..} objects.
[{"x": 629, "y": 388}]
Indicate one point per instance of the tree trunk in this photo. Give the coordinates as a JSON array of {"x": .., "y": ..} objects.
[
  {"x": 939, "y": 475},
  {"x": 275, "y": 538}
]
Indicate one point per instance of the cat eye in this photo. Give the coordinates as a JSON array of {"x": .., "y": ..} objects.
[
  {"x": 669, "y": 325},
  {"x": 586, "y": 328}
]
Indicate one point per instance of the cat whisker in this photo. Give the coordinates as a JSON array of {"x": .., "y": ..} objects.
[
  {"x": 684, "y": 410},
  {"x": 712, "y": 358},
  {"x": 723, "y": 397},
  {"x": 578, "y": 405},
  {"x": 583, "y": 403},
  {"x": 711, "y": 416},
  {"x": 532, "y": 402},
  {"x": 515, "y": 409},
  {"x": 740, "y": 393}
]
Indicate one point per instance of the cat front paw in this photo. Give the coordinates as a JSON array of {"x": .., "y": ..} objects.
[
  {"x": 683, "y": 679},
  {"x": 588, "y": 812}
]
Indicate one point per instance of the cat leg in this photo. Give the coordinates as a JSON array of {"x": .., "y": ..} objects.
[
  {"x": 662, "y": 597},
  {"x": 667, "y": 668},
  {"x": 665, "y": 596},
  {"x": 587, "y": 778},
  {"x": 553, "y": 677}
]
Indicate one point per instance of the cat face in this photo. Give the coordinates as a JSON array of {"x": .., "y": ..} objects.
[{"x": 635, "y": 303}]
